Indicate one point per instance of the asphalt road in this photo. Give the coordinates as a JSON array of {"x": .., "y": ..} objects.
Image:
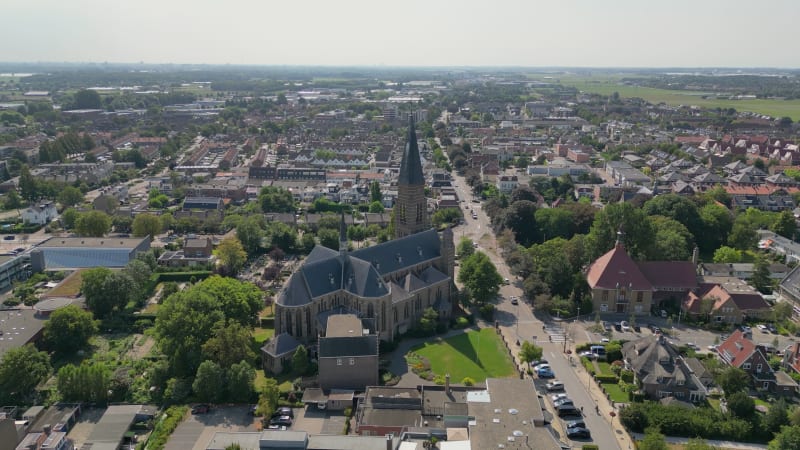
[{"x": 517, "y": 323}]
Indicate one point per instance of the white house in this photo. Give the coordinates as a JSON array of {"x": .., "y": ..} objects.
[
  {"x": 507, "y": 183},
  {"x": 40, "y": 214}
]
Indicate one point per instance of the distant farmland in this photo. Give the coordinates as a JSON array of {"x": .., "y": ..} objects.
[{"x": 608, "y": 84}]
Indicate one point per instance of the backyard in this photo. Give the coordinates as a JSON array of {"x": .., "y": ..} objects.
[{"x": 474, "y": 354}]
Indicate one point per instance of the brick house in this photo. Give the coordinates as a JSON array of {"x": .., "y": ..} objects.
[{"x": 740, "y": 352}]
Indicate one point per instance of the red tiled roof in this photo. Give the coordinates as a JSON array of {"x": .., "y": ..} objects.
[
  {"x": 671, "y": 274},
  {"x": 736, "y": 349},
  {"x": 617, "y": 269}
]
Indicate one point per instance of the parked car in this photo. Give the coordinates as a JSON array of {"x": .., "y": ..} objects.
[
  {"x": 283, "y": 421},
  {"x": 771, "y": 328},
  {"x": 575, "y": 424},
  {"x": 712, "y": 348},
  {"x": 589, "y": 355},
  {"x": 201, "y": 409},
  {"x": 557, "y": 397},
  {"x": 545, "y": 373},
  {"x": 578, "y": 433},
  {"x": 8, "y": 237},
  {"x": 514, "y": 301},
  {"x": 283, "y": 411},
  {"x": 554, "y": 386},
  {"x": 625, "y": 326},
  {"x": 563, "y": 402},
  {"x": 567, "y": 411},
  {"x": 538, "y": 362},
  {"x": 541, "y": 365}
]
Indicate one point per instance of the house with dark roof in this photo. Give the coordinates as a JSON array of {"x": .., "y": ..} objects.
[
  {"x": 348, "y": 353},
  {"x": 620, "y": 285},
  {"x": 740, "y": 352},
  {"x": 661, "y": 371}
]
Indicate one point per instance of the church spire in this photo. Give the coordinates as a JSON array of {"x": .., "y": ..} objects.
[
  {"x": 342, "y": 236},
  {"x": 410, "y": 166}
]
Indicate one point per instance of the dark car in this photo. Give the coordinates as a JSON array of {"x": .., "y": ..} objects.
[
  {"x": 637, "y": 329},
  {"x": 201, "y": 409},
  {"x": 576, "y": 424},
  {"x": 567, "y": 411},
  {"x": 8, "y": 237},
  {"x": 283, "y": 421},
  {"x": 617, "y": 327},
  {"x": 283, "y": 411},
  {"x": 578, "y": 433}
]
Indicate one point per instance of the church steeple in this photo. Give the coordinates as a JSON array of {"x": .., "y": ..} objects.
[
  {"x": 342, "y": 237},
  {"x": 410, "y": 166},
  {"x": 411, "y": 207}
]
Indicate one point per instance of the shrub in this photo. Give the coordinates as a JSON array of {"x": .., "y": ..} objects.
[
  {"x": 626, "y": 376},
  {"x": 439, "y": 380},
  {"x": 587, "y": 364},
  {"x": 461, "y": 322},
  {"x": 467, "y": 381},
  {"x": 164, "y": 427},
  {"x": 590, "y": 447}
]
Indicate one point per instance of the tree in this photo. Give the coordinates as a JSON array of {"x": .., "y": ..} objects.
[
  {"x": 307, "y": 242},
  {"x": 229, "y": 345},
  {"x": 785, "y": 224},
  {"x": 555, "y": 222},
  {"x": 787, "y": 439},
  {"x": 69, "y": 329},
  {"x": 328, "y": 238},
  {"x": 717, "y": 223},
  {"x": 740, "y": 404},
  {"x": 88, "y": 382},
  {"x": 240, "y": 379},
  {"x": 86, "y": 99},
  {"x": 465, "y": 247},
  {"x": 208, "y": 383},
  {"x": 637, "y": 231},
  {"x": 93, "y": 224},
  {"x": 777, "y": 416},
  {"x": 146, "y": 225},
  {"x": 12, "y": 200},
  {"x": 70, "y": 196},
  {"x": 282, "y": 236},
  {"x": 676, "y": 207},
  {"x": 653, "y": 440},
  {"x": 521, "y": 219},
  {"x": 268, "y": 398},
  {"x": 275, "y": 199},
  {"x": 732, "y": 380},
  {"x": 240, "y": 301},
  {"x": 105, "y": 290},
  {"x": 231, "y": 254},
  {"x": 28, "y": 186},
  {"x": 761, "y": 276},
  {"x": 21, "y": 370},
  {"x": 530, "y": 352},
  {"x": 673, "y": 241},
  {"x": 743, "y": 234},
  {"x": 300, "y": 360},
  {"x": 185, "y": 321},
  {"x": 376, "y": 207},
  {"x": 479, "y": 275},
  {"x": 250, "y": 232},
  {"x": 69, "y": 218},
  {"x": 727, "y": 255},
  {"x": 375, "y": 194}
]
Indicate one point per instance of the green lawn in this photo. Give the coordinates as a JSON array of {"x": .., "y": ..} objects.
[
  {"x": 475, "y": 354},
  {"x": 262, "y": 334},
  {"x": 605, "y": 368},
  {"x": 616, "y": 394},
  {"x": 608, "y": 84}
]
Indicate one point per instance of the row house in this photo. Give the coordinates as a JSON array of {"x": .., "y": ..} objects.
[{"x": 740, "y": 352}]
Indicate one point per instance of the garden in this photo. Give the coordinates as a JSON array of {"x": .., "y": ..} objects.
[{"x": 473, "y": 355}]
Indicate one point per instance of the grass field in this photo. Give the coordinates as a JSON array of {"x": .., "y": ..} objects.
[
  {"x": 475, "y": 354},
  {"x": 608, "y": 84}
]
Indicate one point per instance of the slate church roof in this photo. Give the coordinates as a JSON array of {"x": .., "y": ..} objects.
[{"x": 410, "y": 166}]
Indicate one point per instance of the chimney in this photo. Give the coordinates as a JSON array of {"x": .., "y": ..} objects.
[
  {"x": 46, "y": 428},
  {"x": 389, "y": 442},
  {"x": 695, "y": 255},
  {"x": 447, "y": 384}
]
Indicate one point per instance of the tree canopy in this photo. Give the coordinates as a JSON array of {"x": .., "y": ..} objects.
[
  {"x": 69, "y": 329},
  {"x": 21, "y": 370},
  {"x": 479, "y": 275}
]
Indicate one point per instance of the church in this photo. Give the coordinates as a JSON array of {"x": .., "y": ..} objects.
[{"x": 388, "y": 284}]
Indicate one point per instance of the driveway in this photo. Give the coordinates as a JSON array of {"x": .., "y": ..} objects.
[{"x": 196, "y": 431}]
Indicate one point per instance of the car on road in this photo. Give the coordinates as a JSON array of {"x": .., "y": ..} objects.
[
  {"x": 545, "y": 372},
  {"x": 575, "y": 424},
  {"x": 557, "y": 397},
  {"x": 554, "y": 386},
  {"x": 201, "y": 409},
  {"x": 506, "y": 281},
  {"x": 578, "y": 433},
  {"x": 514, "y": 301}
]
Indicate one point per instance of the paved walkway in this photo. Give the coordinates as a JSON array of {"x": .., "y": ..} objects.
[{"x": 718, "y": 444}]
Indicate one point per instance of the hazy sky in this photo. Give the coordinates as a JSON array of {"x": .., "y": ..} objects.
[{"x": 641, "y": 33}]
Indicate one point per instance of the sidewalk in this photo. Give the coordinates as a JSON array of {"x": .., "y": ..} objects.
[{"x": 718, "y": 444}]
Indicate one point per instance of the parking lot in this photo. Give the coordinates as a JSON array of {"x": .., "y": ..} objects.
[
  {"x": 196, "y": 431},
  {"x": 678, "y": 334}
]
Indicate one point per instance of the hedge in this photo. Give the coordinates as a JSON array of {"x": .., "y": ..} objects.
[
  {"x": 165, "y": 425},
  {"x": 587, "y": 364},
  {"x": 590, "y": 447},
  {"x": 198, "y": 275},
  {"x": 606, "y": 379}
]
